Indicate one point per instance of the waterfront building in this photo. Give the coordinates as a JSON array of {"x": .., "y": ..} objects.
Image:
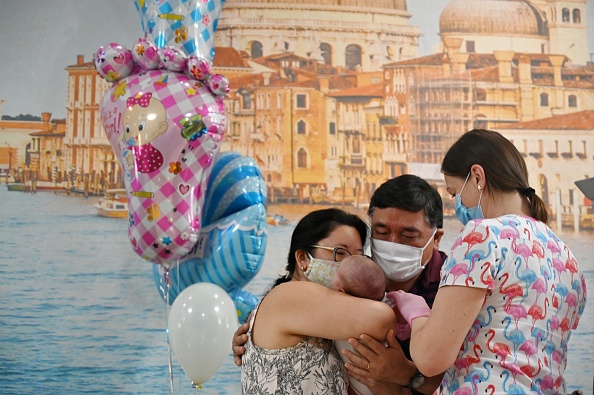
[
  {"x": 446, "y": 94},
  {"x": 558, "y": 151},
  {"x": 91, "y": 161},
  {"x": 530, "y": 26},
  {"x": 502, "y": 63},
  {"x": 284, "y": 119},
  {"x": 31, "y": 148},
  {"x": 358, "y": 116},
  {"x": 46, "y": 150},
  {"x": 350, "y": 34}
]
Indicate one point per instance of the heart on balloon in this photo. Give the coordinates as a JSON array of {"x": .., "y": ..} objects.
[{"x": 183, "y": 189}]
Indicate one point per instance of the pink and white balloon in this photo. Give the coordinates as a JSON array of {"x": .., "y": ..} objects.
[
  {"x": 165, "y": 129},
  {"x": 165, "y": 119},
  {"x": 114, "y": 62}
]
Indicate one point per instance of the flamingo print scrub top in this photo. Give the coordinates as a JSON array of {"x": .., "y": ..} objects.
[{"x": 536, "y": 294}]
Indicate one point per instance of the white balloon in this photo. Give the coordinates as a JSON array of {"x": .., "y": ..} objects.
[{"x": 201, "y": 323}]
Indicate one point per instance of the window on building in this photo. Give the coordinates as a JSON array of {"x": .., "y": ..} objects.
[
  {"x": 544, "y": 100},
  {"x": 302, "y": 158},
  {"x": 572, "y": 101},
  {"x": 326, "y": 51},
  {"x": 301, "y": 127},
  {"x": 352, "y": 56},
  {"x": 480, "y": 121},
  {"x": 577, "y": 16},
  {"x": 470, "y": 47},
  {"x": 565, "y": 13},
  {"x": 256, "y": 49},
  {"x": 356, "y": 145},
  {"x": 247, "y": 101},
  {"x": 301, "y": 100},
  {"x": 332, "y": 128},
  {"x": 480, "y": 95}
]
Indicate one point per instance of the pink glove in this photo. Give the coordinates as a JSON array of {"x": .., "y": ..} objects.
[{"x": 409, "y": 305}]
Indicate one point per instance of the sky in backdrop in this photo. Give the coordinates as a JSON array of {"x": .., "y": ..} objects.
[{"x": 40, "y": 39}]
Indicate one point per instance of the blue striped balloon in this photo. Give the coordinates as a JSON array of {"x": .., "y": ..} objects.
[
  {"x": 229, "y": 253},
  {"x": 232, "y": 242},
  {"x": 235, "y": 183}
]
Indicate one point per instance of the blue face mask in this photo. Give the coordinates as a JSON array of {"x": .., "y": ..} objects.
[{"x": 465, "y": 214}]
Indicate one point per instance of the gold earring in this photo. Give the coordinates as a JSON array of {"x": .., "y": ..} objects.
[{"x": 479, "y": 188}]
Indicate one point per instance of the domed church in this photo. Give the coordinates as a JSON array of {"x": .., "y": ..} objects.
[
  {"x": 353, "y": 34},
  {"x": 536, "y": 26}
]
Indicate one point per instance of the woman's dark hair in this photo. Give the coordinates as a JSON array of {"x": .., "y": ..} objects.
[
  {"x": 410, "y": 193},
  {"x": 314, "y": 227},
  {"x": 503, "y": 164}
]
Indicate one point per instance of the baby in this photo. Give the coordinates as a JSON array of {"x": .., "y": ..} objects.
[{"x": 359, "y": 276}]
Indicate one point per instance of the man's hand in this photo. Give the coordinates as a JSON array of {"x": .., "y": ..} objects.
[
  {"x": 239, "y": 339},
  {"x": 377, "y": 362}
]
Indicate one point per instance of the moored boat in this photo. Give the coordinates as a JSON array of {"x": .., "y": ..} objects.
[
  {"x": 113, "y": 205},
  {"x": 276, "y": 220}
]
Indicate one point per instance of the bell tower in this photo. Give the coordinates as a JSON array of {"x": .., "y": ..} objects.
[{"x": 568, "y": 34}]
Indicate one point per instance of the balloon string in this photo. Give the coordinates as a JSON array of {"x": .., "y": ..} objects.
[
  {"x": 167, "y": 288},
  {"x": 179, "y": 377}
]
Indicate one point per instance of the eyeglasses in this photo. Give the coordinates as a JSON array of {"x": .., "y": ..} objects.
[{"x": 338, "y": 253}]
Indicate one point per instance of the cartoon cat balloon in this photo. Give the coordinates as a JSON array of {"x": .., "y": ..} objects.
[{"x": 165, "y": 118}]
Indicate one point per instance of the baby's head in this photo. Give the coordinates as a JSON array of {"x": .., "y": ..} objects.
[{"x": 359, "y": 276}]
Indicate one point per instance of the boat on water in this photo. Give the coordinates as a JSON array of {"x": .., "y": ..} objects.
[
  {"x": 276, "y": 220},
  {"x": 83, "y": 192},
  {"x": 113, "y": 205},
  {"x": 15, "y": 186},
  {"x": 35, "y": 186}
]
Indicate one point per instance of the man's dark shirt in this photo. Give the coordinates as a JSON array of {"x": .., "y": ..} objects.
[{"x": 426, "y": 286}]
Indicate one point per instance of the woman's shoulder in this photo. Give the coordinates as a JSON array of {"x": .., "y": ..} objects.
[{"x": 295, "y": 292}]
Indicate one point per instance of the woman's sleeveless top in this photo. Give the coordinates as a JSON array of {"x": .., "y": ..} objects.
[{"x": 310, "y": 367}]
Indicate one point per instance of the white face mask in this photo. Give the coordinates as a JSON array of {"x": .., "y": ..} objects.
[
  {"x": 321, "y": 271},
  {"x": 398, "y": 261}
]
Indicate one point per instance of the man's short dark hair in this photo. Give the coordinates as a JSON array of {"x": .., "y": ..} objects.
[{"x": 411, "y": 193}]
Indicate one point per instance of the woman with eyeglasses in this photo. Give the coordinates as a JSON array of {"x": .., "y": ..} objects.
[{"x": 289, "y": 347}]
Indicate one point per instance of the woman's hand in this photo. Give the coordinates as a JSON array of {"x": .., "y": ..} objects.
[
  {"x": 410, "y": 306},
  {"x": 239, "y": 339}
]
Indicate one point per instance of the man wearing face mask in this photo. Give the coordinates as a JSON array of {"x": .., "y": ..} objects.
[{"x": 406, "y": 218}]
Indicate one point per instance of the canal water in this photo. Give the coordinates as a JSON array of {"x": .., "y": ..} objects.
[{"x": 80, "y": 313}]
